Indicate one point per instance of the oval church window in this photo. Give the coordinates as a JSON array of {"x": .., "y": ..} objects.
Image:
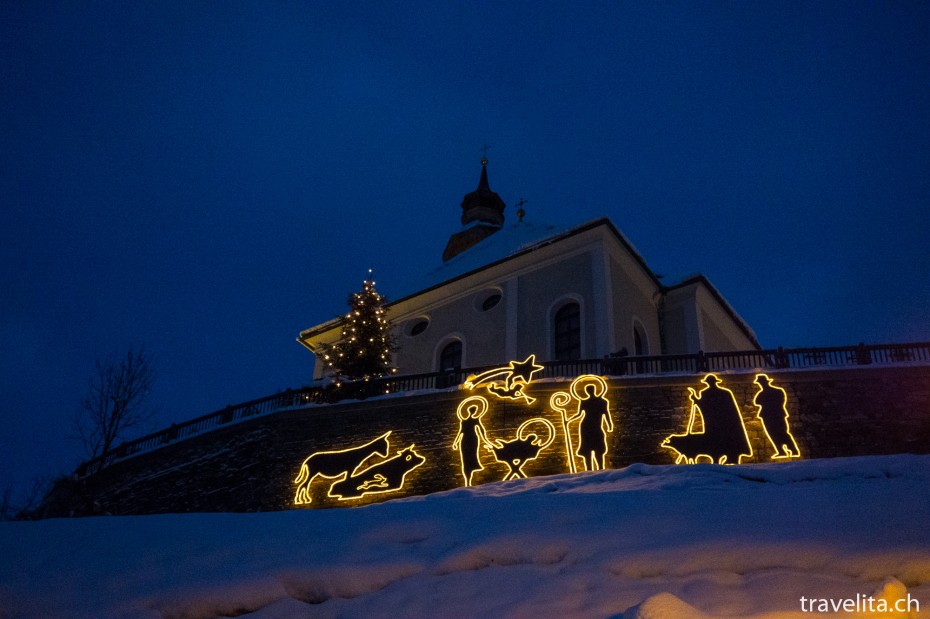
[
  {"x": 419, "y": 327},
  {"x": 490, "y": 302}
]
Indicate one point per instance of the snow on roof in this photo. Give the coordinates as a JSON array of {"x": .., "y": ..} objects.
[
  {"x": 509, "y": 241},
  {"x": 700, "y": 278}
]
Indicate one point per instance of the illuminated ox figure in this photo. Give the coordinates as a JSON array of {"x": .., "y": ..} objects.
[{"x": 351, "y": 478}]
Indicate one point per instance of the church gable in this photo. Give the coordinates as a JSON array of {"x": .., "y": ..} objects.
[{"x": 508, "y": 290}]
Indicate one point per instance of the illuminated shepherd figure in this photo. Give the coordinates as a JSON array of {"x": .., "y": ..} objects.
[
  {"x": 471, "y": 435},
  {"x": 724, "y": 439},
  {"x": 773, "y": 412}
]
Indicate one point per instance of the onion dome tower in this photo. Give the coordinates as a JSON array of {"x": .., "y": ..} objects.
[{"x": 482, "y": 216}]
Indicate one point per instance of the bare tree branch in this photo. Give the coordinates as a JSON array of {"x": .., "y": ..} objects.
[
  {"x": 24, "y": 506},
  {"x": 115, "y": 403}
]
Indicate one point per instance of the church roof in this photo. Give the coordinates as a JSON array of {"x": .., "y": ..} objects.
[
  {"x": 522, "y": 238},
  {"x": 698, "y": 278},
  {"x": 512, "y": 241}
]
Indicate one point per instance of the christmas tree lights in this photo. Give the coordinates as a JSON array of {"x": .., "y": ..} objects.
[{"x": 366, "y": 347}]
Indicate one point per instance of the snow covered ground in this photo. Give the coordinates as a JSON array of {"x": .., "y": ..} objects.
[{"x": 645, "y": 542}]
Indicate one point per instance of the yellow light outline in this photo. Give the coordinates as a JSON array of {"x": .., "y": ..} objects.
[
  {"x": 356, "y": 472},
  {"x": 517, "y": 375},
  {"x": 792, "y": 453},
  {"x": 515, "y": 471},
  {"x": 304, "y": 479},
  {"x": 463, "y": 414},
  {"x": 560, "y": 400},
  {"x": 694, "y": 409},
  {"x": 588, "y": 378}
]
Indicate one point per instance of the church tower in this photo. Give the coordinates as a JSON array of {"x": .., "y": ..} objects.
[{"x": 482, "y": 216}]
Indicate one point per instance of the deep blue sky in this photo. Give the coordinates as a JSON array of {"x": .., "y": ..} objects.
[{"x": 210, "y": 179}]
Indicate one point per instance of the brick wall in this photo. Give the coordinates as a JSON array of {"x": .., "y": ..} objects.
[{"x": 251, "y": 466}]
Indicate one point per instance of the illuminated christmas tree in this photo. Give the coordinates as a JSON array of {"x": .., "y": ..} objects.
[{"x": 366, "y": 347}]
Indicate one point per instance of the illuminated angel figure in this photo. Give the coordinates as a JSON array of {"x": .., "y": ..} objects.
[
  {"x": 471, "y": 435},
  {"x": 773, "y": 412},
  {"x": 508, "y": 382},
  {"x": 595, "y": 422}
]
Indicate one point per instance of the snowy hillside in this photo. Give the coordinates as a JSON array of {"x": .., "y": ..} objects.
[{"x": 647, "y": 542}]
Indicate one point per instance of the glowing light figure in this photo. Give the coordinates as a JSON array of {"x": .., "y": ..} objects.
[
  {"x": 471, "y": 435},
  {"x": 508, "y": 382},
  {"x": 349, "y": 479},
  {"x": 594, "y": 422},
  {"x": 516, "y": 452},
  {"x": 723, "y": 438},
  {"x": 772, "y": 403},
  {"x": 386, "y": 476},
  {"x": 558, "y": 402}
]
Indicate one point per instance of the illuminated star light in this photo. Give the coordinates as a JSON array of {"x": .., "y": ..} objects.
[{"x": 515, "y": 374}]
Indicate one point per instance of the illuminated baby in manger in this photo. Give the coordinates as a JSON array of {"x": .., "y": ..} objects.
[{"x": 592, "y": 418}]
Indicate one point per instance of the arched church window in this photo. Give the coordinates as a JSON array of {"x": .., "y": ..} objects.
[
  {"x": 451, "y": 356},
  {"x": 567, "y": 330},
  {"x": 640, "y": 344}
]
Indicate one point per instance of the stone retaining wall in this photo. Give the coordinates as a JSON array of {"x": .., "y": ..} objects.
[{"x": 251, "y": 466}]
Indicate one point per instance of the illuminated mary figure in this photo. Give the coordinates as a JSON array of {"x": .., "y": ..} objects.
[{"x": 472, "y": 435}]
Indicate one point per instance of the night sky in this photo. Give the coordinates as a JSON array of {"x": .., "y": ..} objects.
[{"x": 209, "y": 179}]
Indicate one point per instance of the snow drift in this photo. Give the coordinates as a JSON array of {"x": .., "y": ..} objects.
[{"x": 644, "y": 542}]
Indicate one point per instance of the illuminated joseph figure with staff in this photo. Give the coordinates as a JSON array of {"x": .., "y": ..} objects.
[{"x": 594, "y": 422}]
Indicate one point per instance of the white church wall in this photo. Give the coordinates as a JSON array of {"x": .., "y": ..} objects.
[
  {"x": 482, "y": 332},
  {"x": 633, "y": 298},
  {"x": 719, "y": 330},
  {"x": 614, "y": 289},
  {"x": 543, "y": 291},
  {"x": 680, "y": 321}
]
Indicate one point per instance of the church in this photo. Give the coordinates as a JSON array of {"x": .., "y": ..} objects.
[
  {"x": 507, "y": 290},
  {"x": 506, "y": 298}
]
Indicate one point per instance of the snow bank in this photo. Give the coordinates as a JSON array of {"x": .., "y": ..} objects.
[{"x": 643, "y": 542}]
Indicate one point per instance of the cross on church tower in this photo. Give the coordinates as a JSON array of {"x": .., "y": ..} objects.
[
  {"x": 520, "y": 211},
  {"x": 484, "y": 150}
]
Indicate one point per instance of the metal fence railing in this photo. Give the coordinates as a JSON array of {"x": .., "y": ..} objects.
[{"x": 779, "y": 358}]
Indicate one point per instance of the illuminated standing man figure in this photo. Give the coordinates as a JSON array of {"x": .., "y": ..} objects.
[
  {"x": 773, "y": 411},
  {"x": 595, "y": 424},
  {"x": 727, "y": 441}
]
